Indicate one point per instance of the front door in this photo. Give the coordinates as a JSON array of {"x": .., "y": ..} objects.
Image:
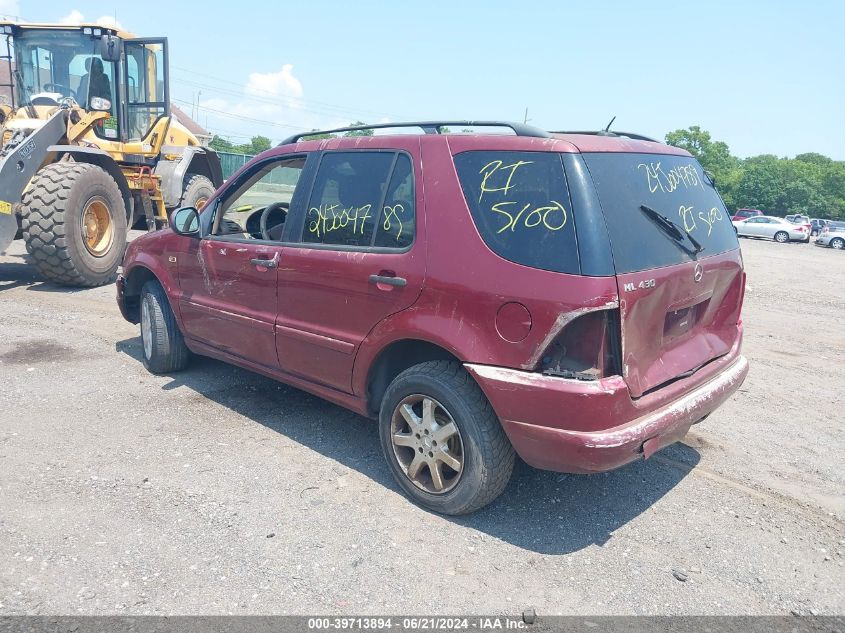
[
  {"x": 358, "y": 258},
  {"x": 229, "y": 278}
]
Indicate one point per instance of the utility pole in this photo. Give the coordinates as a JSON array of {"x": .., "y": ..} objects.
[{"x": 525, "y": 118}]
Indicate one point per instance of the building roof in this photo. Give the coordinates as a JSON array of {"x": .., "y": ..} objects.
[{"x": 193, "y": 127}]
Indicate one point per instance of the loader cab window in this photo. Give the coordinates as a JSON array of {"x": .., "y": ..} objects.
[
  {"x": 146, "y": 86},
  {"x": 54, "y": 65}
]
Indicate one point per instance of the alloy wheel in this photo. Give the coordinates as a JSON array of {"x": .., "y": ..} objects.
[{"x": 427, "y": 444}]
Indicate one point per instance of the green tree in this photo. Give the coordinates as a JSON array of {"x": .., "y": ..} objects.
[
  {"x": 358, "y": 132},
  {"x": 260, "y": 144},
  {"x": 220, "y": 144}
]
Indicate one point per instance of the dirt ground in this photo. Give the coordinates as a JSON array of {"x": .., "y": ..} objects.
[{"x": 217, "y": 491}]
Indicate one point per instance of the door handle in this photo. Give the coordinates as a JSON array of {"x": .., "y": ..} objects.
[
  {"x": 266, "y": 263},
  {"x": 388, "y": 281}
]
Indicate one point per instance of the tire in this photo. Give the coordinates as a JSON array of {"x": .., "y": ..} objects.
[
  {"x": 781, "y": 237},
  {"x": 52, "y": 224},
  {"x": 838, "y": 243},
  {"x": 197, "y": 191},
  {"x": 486, "y": 457},
  {"x": 162, "y": 345}
]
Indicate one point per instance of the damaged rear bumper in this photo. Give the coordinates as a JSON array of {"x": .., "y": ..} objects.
[{"x": 520, "y": 398}]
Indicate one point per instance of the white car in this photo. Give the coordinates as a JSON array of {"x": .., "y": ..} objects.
[{"x": 777, "y": 229}]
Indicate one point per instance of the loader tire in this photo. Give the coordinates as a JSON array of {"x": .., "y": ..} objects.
[
  {"x": 74, "y": 223},
  {"x": 197, "y": 191}
]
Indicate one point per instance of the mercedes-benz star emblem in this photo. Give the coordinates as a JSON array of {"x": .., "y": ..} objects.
[{"x": 699, "y": 273}]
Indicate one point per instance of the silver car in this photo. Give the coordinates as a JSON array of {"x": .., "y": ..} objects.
[
  {"x": 777, "y": 229},
  {"x": 833, "y": 235}
]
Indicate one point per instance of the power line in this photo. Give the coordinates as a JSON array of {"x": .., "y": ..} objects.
[
  {"x": 243, "y": 118},
  {"x": 270, "y": 94}
]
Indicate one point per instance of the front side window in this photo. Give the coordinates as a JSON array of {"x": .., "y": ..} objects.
[
  {"x": 520, "y": 204},
  {"x": 266, "y": 192},
  {"x": 362, "y": 199}
]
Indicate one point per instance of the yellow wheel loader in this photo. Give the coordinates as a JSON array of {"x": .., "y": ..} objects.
[{"x": 89, "y": 148}]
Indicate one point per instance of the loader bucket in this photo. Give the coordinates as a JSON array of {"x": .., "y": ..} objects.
[
  {"x": 20, "y": 159},
  {"x": 8, "y": 228}
]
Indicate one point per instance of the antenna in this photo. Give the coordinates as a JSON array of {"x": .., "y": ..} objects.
[{"x": 607, "y": 129}]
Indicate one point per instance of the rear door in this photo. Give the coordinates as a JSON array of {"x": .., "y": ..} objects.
[
  {"x": 678, "y": 266},
  {"x": 359, "y": 258}
]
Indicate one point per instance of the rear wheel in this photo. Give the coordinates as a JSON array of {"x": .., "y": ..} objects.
[
  {"x": 197, "y": 191},
  {"x": 73, "y": 220},
  {"x": 781, "y": 237},
  {"x": 442, "y": 439},
  {"x": 163, "y": 346},
  {"x": 838, "y": 243}
]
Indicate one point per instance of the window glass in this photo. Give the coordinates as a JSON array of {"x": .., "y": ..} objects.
[
  {"x": 269, "y": 189},
  {"x": 144, "y": 86},
  {"x": 396, "y": 223},
  {"x": 520, "y": 204},
  {"x": 674, "y": 187},
  {"x": 346, "y": 197}
]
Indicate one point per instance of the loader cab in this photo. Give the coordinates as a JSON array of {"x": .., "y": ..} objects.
[{"x": 98, "y": 68}]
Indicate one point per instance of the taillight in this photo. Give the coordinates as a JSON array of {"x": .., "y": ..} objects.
[{"x": 588, "y": 348}]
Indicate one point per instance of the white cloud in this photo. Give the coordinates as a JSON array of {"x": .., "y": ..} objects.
[
  {"x": 109, "y": 22},
  {"x": 77, "y": 17},
  {"x": 280, "y": 84},
  {"x": 10, "y": 8},
  {"x": 74, "y": 17}
]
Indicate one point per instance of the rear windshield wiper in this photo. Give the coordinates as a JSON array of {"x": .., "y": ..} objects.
[{"x": 672, "y": 229}]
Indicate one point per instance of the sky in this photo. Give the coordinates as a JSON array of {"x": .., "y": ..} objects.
[{"x": 765, "y": 77}]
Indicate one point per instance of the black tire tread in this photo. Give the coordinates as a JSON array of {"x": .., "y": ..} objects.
[
  {"x": 170, "y": 354},
  {"x": 194, "y": 183},
  {"x": 498, "y": 453},
  {"x": 43, "y": 223}
]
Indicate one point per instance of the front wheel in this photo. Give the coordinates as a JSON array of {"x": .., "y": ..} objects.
[
  {"x": 838, "y": 243},
  {"x": 163, "y": 346},
  {"x": 73, "y": 220},
  {"x": 442, "y": 439},
  {"x": 781, "y": 237}
]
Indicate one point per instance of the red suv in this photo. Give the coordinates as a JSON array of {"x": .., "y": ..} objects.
[
  {"x": 744, "y": 214},
  {"x": 573, "y": 298}
]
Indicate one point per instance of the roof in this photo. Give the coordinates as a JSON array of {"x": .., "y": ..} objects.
[
  {"x": 59, "y": 26},
  {"x": 618, "y": 143},
  {"x": 193, "y": 127}
]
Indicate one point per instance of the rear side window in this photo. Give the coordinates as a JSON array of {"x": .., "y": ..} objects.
[
  {"x": 674, "y": 187},
  {"x": 362, "y": 199},
  {"x": 520, "y": 204}
]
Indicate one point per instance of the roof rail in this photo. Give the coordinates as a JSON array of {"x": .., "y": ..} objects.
[
  {"x": 631, "y": 135},
  {"x": 429, "y": 127}
]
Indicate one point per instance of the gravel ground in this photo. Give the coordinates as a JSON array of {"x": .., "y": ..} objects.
[{"x": 217, "y": 491}]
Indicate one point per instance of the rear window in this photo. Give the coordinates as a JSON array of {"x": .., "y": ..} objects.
[
  {"x": 519, "y": 202},
  {"x": 674, "y": 187}
]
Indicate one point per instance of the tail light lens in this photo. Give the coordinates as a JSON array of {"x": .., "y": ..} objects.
[{"x": 588, "y": 348}]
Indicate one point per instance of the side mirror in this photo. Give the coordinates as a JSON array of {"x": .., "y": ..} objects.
[
  {"x": 110, "y": 48},
  {"x": 186, "y": 221}
]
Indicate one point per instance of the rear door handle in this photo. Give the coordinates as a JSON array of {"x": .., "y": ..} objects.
[
  {"x": 266, "y": 263},
  {"x": 388, "y": 281}
]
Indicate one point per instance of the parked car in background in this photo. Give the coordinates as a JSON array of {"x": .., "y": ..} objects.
[
  {"x": 744, "y": 214},
  {"x": 480, "y": 295},
  {"x": 803, "y": 220},
  {"x": 832, "y": 235},
  {"x": 816, "y": 226},
  {"x": 772, "y": 228}
]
